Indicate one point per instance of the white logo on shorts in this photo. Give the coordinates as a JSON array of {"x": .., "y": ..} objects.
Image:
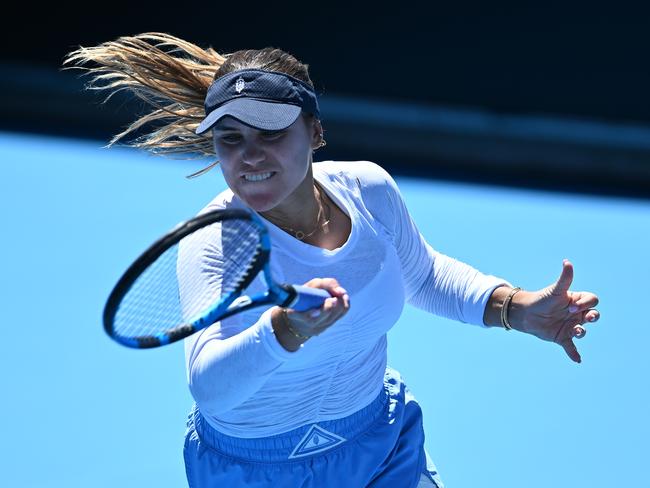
[
  {"x": 316, "y": 440},
  {"x": 239, "y": 84}
]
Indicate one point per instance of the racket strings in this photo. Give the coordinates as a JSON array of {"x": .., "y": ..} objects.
[{"x": 190, "y": 278}]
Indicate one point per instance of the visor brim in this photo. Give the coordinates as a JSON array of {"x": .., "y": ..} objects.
[{"x": 259, "y": 114}]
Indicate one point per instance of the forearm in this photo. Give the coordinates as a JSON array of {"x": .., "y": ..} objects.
[
  {"x": 455, "y": 290},
  {"x": 224, "y": 373}
]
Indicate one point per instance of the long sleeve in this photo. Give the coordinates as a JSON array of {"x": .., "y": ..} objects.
[
  {"x": 433, "y": 281},
  {"x": 230, "y": 360}
]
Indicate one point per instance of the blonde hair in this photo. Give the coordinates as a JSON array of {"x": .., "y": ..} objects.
[{"x": 172, "y": 76}]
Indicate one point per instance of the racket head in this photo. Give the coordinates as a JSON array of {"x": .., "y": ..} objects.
[{"x": 143, "y": 310}]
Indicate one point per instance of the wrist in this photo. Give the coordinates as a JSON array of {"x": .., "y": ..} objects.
[
  {"x": 286, "y": 336},
  {"x": 517, "y": 310},
  {"x": 506, "y": 304},
  {"x": 505, "y": 308}
]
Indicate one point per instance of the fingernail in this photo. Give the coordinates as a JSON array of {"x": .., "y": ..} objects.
[
  {"x": 592, "y": 318},
  {"x": 340, "y": 290},
  {"x": 335, "y": 301},
  {"x": 573, "y": 308},
  {"x": 314, "y": 313}
]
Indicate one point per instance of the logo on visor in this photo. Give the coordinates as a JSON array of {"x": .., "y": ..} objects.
[{"x": 239, "y": 84}]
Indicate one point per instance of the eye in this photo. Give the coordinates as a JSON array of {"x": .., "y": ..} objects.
[
  {"x": 273, "y": 135},
  {"x": 229, "y": 138}
]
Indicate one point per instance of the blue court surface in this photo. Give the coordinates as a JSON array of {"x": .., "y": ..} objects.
[{"x": 501, "y": 409}]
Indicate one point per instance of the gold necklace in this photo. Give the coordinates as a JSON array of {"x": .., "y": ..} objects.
[{"x": 299, "y": 234}]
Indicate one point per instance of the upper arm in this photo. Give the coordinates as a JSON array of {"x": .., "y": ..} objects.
[{"x": 382, "y": 197}]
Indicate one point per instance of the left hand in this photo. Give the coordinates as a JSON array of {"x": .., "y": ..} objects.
[{"x": 554, "y": 313}]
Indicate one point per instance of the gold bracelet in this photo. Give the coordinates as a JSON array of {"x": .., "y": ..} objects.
[
  {"x": 505, "y": 308},
  {"x": 285, "y": 318}
]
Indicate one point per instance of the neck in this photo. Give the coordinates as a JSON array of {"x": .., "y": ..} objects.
[{"x": 300, "y": 211}]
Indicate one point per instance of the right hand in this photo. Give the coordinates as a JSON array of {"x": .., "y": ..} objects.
[{"x": 316, "y": 320}]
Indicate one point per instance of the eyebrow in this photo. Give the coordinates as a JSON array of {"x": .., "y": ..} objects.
[
  {"x": 225, "y": 128},
  {"x": 228, "y": 128}
]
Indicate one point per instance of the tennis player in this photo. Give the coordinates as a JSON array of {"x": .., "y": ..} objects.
[{"x": 286, "y": 398}]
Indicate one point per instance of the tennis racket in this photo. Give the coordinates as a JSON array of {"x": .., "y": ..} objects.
[{"x": 194, "y": 276}]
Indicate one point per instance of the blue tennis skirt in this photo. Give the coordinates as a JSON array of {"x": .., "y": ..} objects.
[{"x": 381, "y": 445}]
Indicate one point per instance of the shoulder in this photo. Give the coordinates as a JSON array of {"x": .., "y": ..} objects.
[
  {"x": 366, "y": 175},
  {"x": 368, "y": 182},
  {"x": 225, "y": 199}
]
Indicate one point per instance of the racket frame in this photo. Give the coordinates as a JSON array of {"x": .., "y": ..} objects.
[{"x": 276, "y": 294}]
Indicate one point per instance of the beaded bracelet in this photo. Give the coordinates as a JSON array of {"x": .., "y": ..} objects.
[
  {"x": 505, "y": 308},
  {"x": 285, "y": 318}
]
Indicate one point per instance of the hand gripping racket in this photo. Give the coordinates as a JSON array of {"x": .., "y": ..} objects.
[{"x": 194, "y": 276}]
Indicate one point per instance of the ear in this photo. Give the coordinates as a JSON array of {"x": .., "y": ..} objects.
[{"x": 316, "y": 134}]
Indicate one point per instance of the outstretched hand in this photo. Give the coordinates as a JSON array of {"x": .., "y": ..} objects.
[{"x": 555, "y": 313}]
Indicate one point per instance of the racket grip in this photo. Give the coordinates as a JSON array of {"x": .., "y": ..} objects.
[{"x": 308, "y": 297}]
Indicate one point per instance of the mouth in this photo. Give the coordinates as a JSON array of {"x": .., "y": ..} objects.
[{"x": 258, "y": 176}]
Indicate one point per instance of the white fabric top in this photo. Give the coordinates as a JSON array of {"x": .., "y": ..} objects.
[{"x": 247, "y": 385}]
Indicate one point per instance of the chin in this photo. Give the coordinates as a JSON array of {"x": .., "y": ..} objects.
[{"x": 260, "y": 203}]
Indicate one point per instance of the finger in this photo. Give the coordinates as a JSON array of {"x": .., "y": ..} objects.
[
  {"x": 571, "y": 351},
  {"x": 582, "y": 301},
  {"x": 590, "y": 316},
  {"x": 323, "y": 314},
  {"x": 563, "y": 283},
  {"x": 332, "y": 286},
  {"x": 340, "y": 304},
  {"x": 346, "y": 301},
  {"x": 579, "y": 332},
  {"x": 336, "y": 306},
  {"x": 315, "y": 321},
  {"x": 321, "y": 282},
  {"x": 330, "y": 304}
]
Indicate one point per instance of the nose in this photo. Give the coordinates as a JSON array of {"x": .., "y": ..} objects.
[{"x": 252, "y": 153}]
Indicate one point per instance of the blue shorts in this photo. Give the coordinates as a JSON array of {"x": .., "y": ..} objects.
[{"x": 381, "y": 445}]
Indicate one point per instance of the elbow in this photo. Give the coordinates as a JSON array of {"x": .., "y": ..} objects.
[
  {"x": 209, "y": 395},
  {"x": 215, "y": 393},
  {"x": 198, "y": 389}
]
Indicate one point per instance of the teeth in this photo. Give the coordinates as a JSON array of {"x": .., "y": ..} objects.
[{"x": 258, "y": 177}]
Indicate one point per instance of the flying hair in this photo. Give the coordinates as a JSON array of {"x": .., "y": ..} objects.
[{"x": 172, "y": 77}]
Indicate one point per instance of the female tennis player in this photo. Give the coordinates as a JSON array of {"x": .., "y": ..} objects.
[{"x": 287, "y": 398}]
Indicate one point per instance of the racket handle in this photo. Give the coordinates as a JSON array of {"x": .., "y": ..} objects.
[{"x": 308, "y": 297}]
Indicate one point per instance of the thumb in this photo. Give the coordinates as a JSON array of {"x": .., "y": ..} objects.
[{"x": 563, "y": 283}]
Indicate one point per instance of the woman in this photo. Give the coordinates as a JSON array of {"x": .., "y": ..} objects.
[{"x": 306, "y": 399}]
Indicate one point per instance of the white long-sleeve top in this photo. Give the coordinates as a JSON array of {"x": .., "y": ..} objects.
[{"x": 247, "y": 385}]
